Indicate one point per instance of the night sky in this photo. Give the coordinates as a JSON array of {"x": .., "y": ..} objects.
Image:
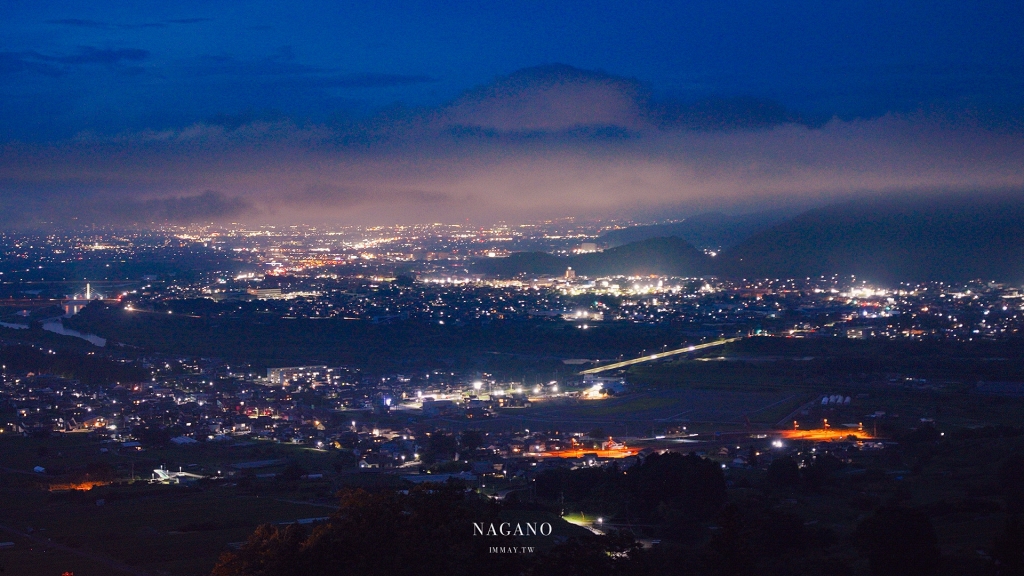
[{"x": 386, "y": 112}]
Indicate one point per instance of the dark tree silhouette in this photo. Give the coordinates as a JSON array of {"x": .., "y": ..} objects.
[
  {"x": 269, "y": 551},
  {"x": 606, "y": 555},
  {"x": 1011, "y": 480},
  {"x": 440, "y": 446},
  {"x": 728, "y": 553},
  {"x": 424, "y": 531},
  {"x": 821, "y": 471},
  {"x": 692, "y": 485},
  {"x": 675, "y": 491},
  {"x": 898, "y": 541},
  {"x": 1008, "y": 549},
  {"x": 783, "y": 473},
  {"x": 470, "y": 440}
]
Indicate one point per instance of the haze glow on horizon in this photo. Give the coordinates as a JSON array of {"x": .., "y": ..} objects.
[{"x": 212, "y": 113}]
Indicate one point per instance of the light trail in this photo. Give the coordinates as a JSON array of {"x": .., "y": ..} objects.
[{"x": 659, "y": 355}]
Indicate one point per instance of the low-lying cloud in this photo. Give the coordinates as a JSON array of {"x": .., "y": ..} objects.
[{"x": 547, "y": 143}]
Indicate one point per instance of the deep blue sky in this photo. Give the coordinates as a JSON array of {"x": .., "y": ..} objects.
[
  {"x": 108, "y": 66},
  {"x": 403, "y": 111}
]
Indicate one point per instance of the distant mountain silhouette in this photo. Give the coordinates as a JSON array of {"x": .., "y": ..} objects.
[
  {"x": 553, "y": 97},
  {"x": 712, "y": 230},
  {"x": 665, "y": 256},
  {"x": 563, "y": 98},
  {"x": 887, "y": 240},
  {"x": 941, "y": 237}
]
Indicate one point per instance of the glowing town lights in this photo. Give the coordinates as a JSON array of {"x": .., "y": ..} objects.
[{"x": 477, "y": 385}]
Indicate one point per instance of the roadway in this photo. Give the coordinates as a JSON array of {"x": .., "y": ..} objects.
[
  {"x": 660, "y": 355},
  {"x": 41, "y": 302}
]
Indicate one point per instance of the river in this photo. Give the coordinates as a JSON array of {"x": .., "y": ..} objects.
[{"x": 58, "y": 328}]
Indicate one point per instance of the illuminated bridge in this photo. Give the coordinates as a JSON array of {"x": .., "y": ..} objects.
[{"x": 659, "y": 355}]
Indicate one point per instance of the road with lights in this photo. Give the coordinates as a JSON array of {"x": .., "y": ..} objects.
[{"x": 659, "y": 356}]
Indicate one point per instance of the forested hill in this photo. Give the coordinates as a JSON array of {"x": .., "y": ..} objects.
[
  {"x": 885, "y": 240},
  {"x": 712, "y": 230},
  {"x": 890, "y": 240}
]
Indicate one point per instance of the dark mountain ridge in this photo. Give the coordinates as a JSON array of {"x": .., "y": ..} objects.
[
  {"x": 942, "y": 237},
  {"x": 710, "y": 230},
  {"x": 885, "y": 240}
]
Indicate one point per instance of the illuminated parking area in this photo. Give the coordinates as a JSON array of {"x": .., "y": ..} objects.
[
  {"x": 826, "y": 434},
  {"x": 613, "y": 453}
]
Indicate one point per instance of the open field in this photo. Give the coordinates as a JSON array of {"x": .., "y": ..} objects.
[
  {"x": 906, "y": 380},
  {"x": 68, "y": 452},
  {"x": 152, "y": 528},
  {"x": 664, "y": 407},
  {"x": 639, "y": 413},
  {"x": 158, "y": 529},
  {"x": 30, "y": 558}
]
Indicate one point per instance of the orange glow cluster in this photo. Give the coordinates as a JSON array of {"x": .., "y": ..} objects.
[
  {"x": 613, "y": 453},
  {"x": 825, "y": 434},
  {"x": 84, "y": 486}
]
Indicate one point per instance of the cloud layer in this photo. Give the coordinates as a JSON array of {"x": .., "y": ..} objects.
[{"x": 545, "y": 142}]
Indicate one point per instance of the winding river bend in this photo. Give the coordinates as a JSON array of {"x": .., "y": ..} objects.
[{"x": 57, "y": 327}]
